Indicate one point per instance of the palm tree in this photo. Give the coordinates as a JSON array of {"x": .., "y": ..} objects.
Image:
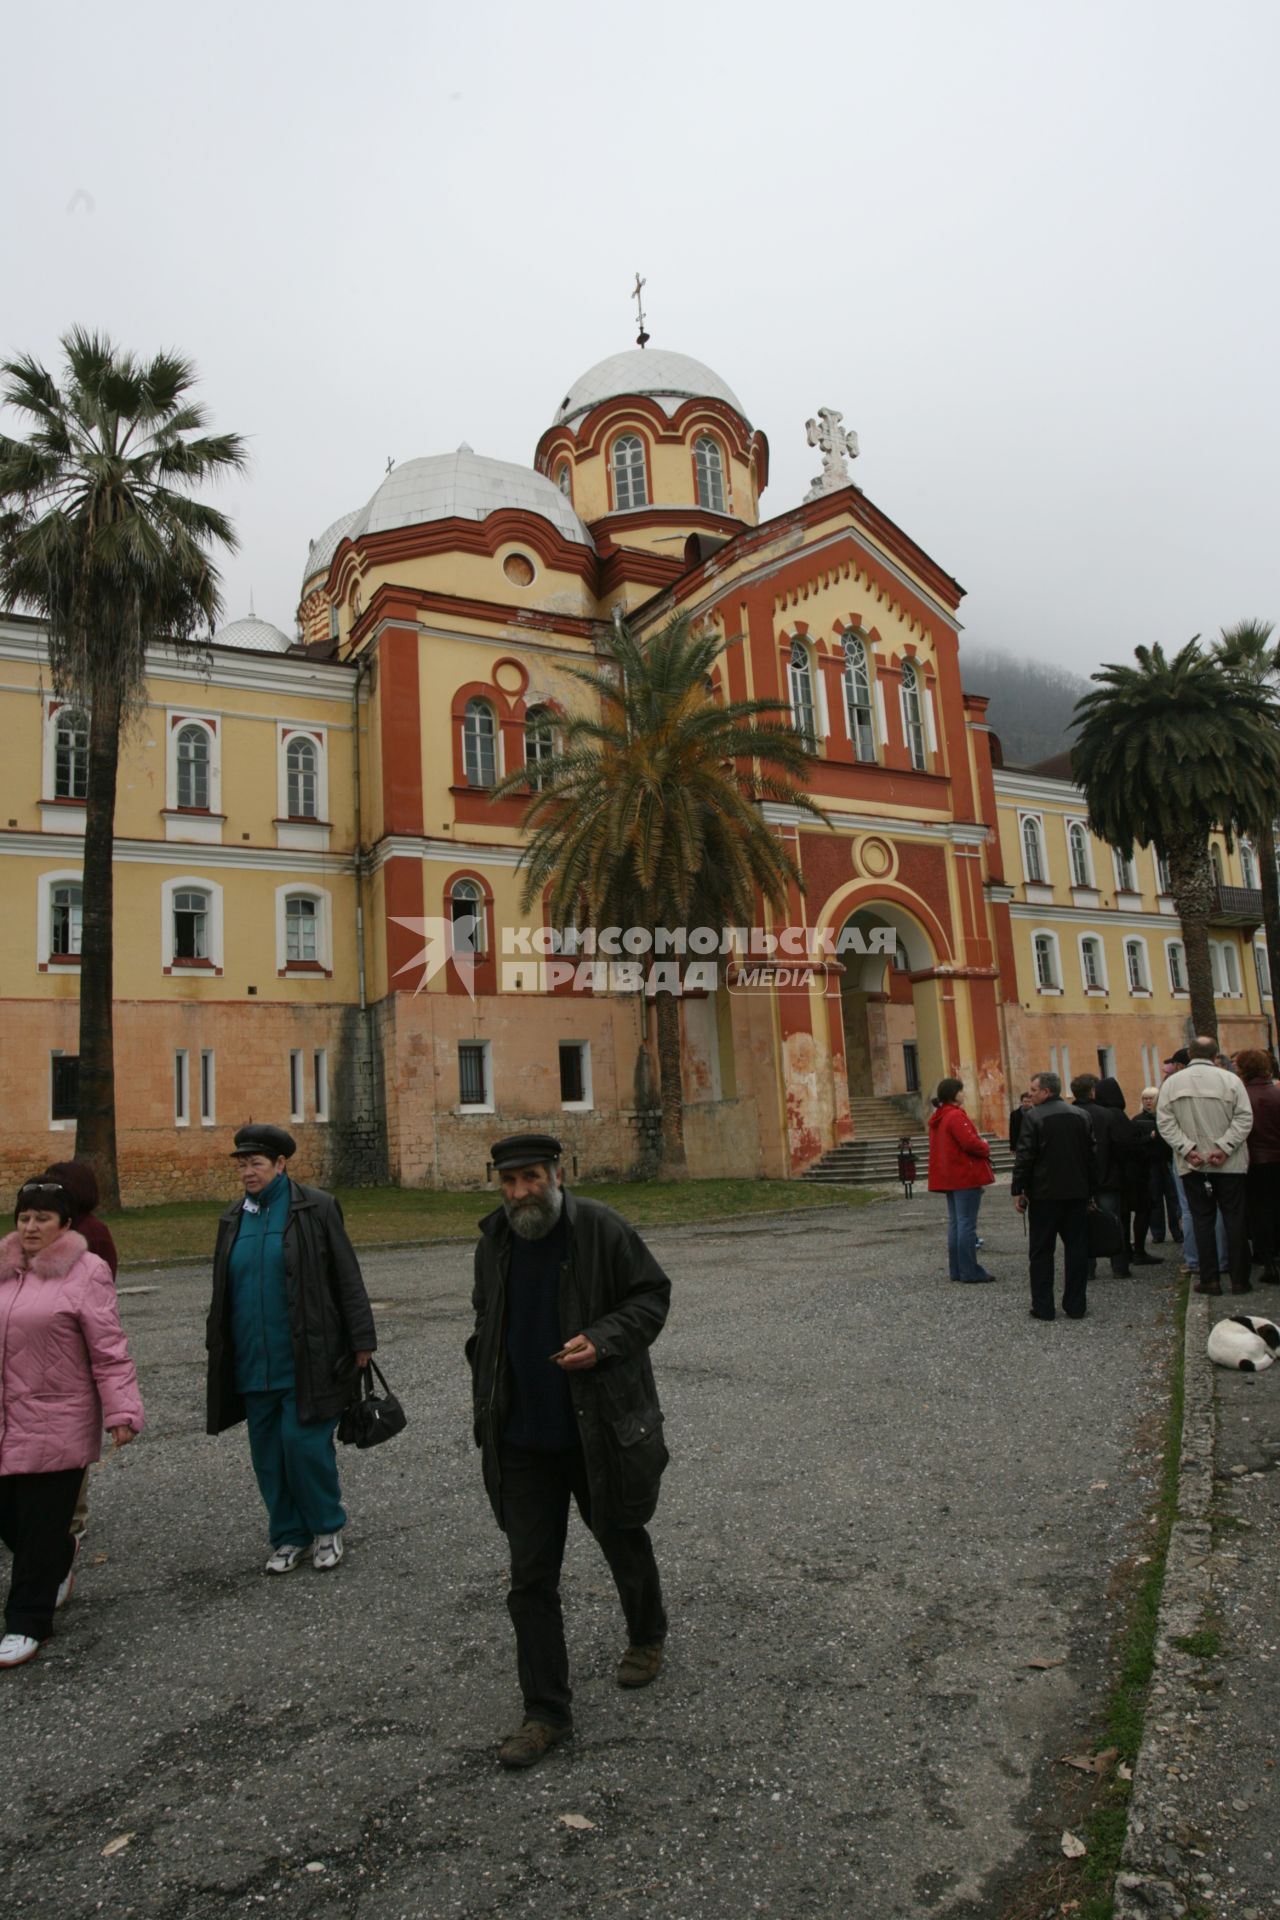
[
  {"x": 1247, "y": 647},
  {"x": 648, "y": 815},
  {"x": 1166, "y": 751},
  {"x": 99, "y": 536}
]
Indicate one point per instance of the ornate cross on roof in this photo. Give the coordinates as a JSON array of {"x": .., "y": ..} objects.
[
  {"x": 838, "y": 445},
  {"x": 642, "y": 338}
]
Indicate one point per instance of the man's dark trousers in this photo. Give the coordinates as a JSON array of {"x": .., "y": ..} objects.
[
  {"x": 1224, "y": 1192},
  {"x": 535, "y": 1513},
  {"x": 1112, "y": 1202},
  {"x": 1049, "y": 1221}
]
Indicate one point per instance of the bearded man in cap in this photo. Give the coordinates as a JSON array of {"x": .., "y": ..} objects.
[
  {"x": 290, "y": 1326},
  {"x": 568, "y": 1300}
]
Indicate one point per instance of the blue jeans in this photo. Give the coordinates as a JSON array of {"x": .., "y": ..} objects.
[
  {"x": 962, "y": 1232},
  {"x": 1190, "y": 1258}
]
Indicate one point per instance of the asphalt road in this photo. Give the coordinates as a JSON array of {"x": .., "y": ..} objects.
[{"x": 888, "y": 1496}]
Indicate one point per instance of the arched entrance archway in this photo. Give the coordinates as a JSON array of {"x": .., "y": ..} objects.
[{"x": 893, "y": 1029}]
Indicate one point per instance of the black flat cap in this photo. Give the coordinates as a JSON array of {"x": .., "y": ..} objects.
[
  {"x": 273, "y": 1141},
  {"x": 525, "y": 1150}
]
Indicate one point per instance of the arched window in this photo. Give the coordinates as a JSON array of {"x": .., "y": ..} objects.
[
  {"x": 66, "y": 917},
  {"x": 564, "y": 479},
  {"x": 301, "y": 770},
  {"x": 1078, "y": 848},
  {"x": 1135, "y": 966},
  {"x": 190, "y": 925},
  {"x": 193, "y": 768},
  {"x": 630, "y": 487},
  {"x": 1215, "y": 861},
  {"x": 301, "y": 929},
  {"x": 539, "y": 744},
  {"x": 1032, "y": 851},
  {"x": 709, "y": 464},
  {"x": 800, "y": 678},
  {"x": 857, "y": 699},
  {"x": 912, "y": 715},
  {"x": 480, "y": 744},
  {"x": 466, "y": 911},
  {"x": 1248, "y": 864},
  {"x": 71, "y": 755}
]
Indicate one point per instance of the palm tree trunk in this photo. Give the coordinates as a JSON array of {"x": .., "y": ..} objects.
[
  {"x": 1266, "y": 845},
  {"x": 671, "y": 1090},
  {"x": 1191, "y": 878},
  {"x": 96, "y": 1107}
]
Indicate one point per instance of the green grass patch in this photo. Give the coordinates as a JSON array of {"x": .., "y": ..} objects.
[
  {"x": 1205, "y": 1643},
  {"x": 379, "y": 1216},
  {"x": 1104, "y": 1829}
]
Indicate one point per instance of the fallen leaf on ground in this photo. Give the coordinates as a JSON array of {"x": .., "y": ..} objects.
[
  {"x": 1096, "y": 1486},
  {"x": 1091, "y": 1762},
  {"x": 99, "y": 1560},
  {"x": 1125, "y": 1773},
  {"x": 1075, "y": 1849},
  {"x": 1042, "y": 1665},
  {"x": 117, "y": 1845},
  {"x": 578, "y": 1821}
]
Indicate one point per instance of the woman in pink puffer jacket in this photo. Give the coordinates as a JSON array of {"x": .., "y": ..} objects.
[{"x": 65, "y": 1373}]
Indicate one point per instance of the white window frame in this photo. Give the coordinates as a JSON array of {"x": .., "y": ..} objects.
[
  {"x": 628, "y": 480},
  {"x": 538, "y": 721},
  {"x": 1216, "y": 979},
  {"x": 713, "y": 474},
  {"x": 286, "y": 732},
  {"x": 1053, "y": 986},
  {"x": 189, "y": 883},
  {"x": 473, "y": 897},
  {"x": 800, "y": 663},
  {"x": 53, "y": 712},
  {"x": 208, "y": 1088},
  {"x": 854, "y": 645},
  {"x": 564, "y": 479},
  {"x": 58, "y": 877},
  {"x": 1036, "y": 823},
  {"x": 1102, "y": 985},
  {"x": 1249, "y": 866},
  {"x": 587, "y": 1101},
  {"x": 181, "y": 1088},
  {"x": 175, "y": 720},
  {"x": 1164, "y": 883},
  {"x": 1262, "y": 969},
  {"x": 1134, "y": 943},
  {"x": 1178, "y": 947},
  {"x": 320, "y": 1082},
  {"x": 1230, "y": 970},
  {"x": 297, "y": 1084},
  {"x": 1080, "y": 827},
  {"x": 1126, "y": 872},
  {"x": 475, "y": 1106},
  {"x": 474, "y": 737},
  {"x": 915, "y": 731},
  {"x": 302, "y": 890}
]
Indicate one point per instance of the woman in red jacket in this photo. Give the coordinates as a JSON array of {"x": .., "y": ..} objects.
[{"x": 960, "y": 1167}]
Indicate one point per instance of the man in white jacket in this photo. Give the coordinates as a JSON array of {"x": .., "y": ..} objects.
[{"x": 1204, "y": 1113}]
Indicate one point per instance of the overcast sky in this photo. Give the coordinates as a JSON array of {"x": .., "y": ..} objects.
[{"x": 1028, "y": 249}]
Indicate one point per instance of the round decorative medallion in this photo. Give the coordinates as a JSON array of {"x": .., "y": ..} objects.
[
  {"x": 518, "y": 568},
  {"x": 510, "y": 676},
  {"x": 874, "y": 857}
]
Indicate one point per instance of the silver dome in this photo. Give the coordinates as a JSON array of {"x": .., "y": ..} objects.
[
  {"x": 321, "y": 551},
  {"x": 253, "y": 636},
  {"x": 464, "y": 486},
  {"x": 668, "y": 377}
]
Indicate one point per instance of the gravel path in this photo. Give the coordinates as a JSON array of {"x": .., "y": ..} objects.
[{"x": 888, "y": 1496}]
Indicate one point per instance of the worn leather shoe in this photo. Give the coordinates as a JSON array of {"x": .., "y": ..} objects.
[
  {"x": 526, "y": 1746},
  {"x": 640, "y": 1665},
  {"x": 1207, "y": 1286}
]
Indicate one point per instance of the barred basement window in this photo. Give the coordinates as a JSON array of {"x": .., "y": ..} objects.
[
  {"x": 573, "y": 1084},
  {"x": 64, "y": 1085},
  {"x": 472, "y": 1078}
]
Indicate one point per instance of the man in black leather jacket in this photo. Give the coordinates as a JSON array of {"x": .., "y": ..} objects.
[{"x": 567, "y": 1300}]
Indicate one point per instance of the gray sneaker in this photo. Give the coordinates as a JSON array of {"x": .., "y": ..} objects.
[{"x": 284, "y": 1559}]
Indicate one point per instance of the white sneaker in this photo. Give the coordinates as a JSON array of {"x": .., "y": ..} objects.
[
  {"x": 326, "y": 1552},
  {"x": 285, "y": 1559},
  {"x": 17, "y": 1648}
]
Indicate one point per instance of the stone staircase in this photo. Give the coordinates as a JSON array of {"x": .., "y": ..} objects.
[{"x": 870, "y": 1159}]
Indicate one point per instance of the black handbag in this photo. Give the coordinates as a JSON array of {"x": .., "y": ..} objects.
[
  {"x": 1106, "y": 1235},
  {"x": 371, "y": 1417}
]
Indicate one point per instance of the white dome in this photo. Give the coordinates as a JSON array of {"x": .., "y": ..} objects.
[
  {"x": 464, "y": 486},
  {"x": 321, "y": 551},
  {"x": 668, "y": 377},
  {"x": 253, "y": 636}
]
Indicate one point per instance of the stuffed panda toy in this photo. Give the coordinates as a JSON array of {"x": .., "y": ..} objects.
[{"x": 1244, "y": 1341}]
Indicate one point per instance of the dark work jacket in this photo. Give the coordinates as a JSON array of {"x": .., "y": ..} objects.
[
  {"x": 612, "y": 1290},
  {"x": 1113, "y": 1133},
  {"x": 1056, "y": 1158},
  {"x": 330, "y": 1319}
]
